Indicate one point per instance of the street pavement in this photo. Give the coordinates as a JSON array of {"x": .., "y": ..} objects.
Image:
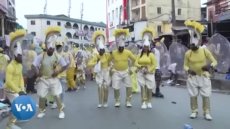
[{"x": 172, "y": 112}]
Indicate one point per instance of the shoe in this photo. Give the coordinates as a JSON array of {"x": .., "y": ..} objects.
[
  {"x": 61, "y": 115},
  {"x": 53, "y": 106},
  {"x": 128, "y": 105},
  {"x": 144, "y": 106},
  {"x": 169, "y": 81},
  {"x": 74, "y": 89},
  {"x": 69, "y": 90},
  {"x": 208, "y": 117},
  {"x": 117, "y": 104},
  {"x": 99, "y": 105},
  {"x": 41, "y": 115},
  {"x": 159, "y": 95},
  {"x": 194, "y": 115},
  {"x": 13, "y": 126},
  {"x": 149, "y": 105},
  {"x": 105, "y": 105}
]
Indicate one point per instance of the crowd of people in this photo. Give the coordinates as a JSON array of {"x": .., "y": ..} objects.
[{"x": 61, "y": 64}]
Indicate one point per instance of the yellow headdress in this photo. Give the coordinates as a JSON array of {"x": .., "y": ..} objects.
[
  {"x": 98, "y": 37},
  {"x": 15, "y": 39},
  {"x": 52, "y": 33},
  {"x": 147, "y": 32},
  {"x": 195, "y": 30},
  {"x": 17, "y": 34},
  {"x": 120, "y": 36}
]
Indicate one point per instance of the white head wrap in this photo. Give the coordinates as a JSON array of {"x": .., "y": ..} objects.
[{"x": 18, "y": 49}]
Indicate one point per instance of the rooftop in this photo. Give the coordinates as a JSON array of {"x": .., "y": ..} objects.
[{"x": 63, "y": 17}]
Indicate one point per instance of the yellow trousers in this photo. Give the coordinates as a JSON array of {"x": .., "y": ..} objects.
[{"x": 70, "y": 77}]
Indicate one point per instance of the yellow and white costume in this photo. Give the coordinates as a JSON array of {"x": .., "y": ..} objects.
[
  {"x": 200, "y": 81},
  {"x": 14, "y": 81},
  {"x": 102, "y": 69},
  {"x": 146, "y": 64},
  {"x": 47, "y": 65},
  {"x": 120, "y": 69}
]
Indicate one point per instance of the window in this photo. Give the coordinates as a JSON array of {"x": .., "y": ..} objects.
[
  {"x": 59, "y": 23},
  {"x": 32, "y": 22},
  {"x": 143, "y": 1},
  {"x": 48, "y": 22},
  {"x": 33, "y": 33},
  {"x": 179, "y": 11},
  {"x": 143, "y": 13},
  {"x": 159, "y": 29},
  {"x": 158, "y": 10}
]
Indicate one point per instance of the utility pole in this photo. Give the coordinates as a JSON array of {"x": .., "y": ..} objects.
[
  {"x": 82, "y": 9},
  {"x": 173, "y": 18},
  {"x": 69, "y": 9},
  {"x": 173, "y": 13},
  {"x": 45, "y": 7}
]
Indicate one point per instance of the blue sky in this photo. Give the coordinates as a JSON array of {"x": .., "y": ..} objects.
[{"x": 94, "y": 10}]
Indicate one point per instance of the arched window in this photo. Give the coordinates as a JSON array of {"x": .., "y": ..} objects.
[
  {"x": 92, "y": 28},
  {"x": 75, "y": 26},
  {"x": 69, "y": 35},
  {"x": 68, "y": 25}
]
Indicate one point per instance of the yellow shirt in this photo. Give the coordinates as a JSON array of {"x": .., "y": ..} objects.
[
  {"x": 29, "y": 58},
  {"x": 120, "y": 60},
  {"x": 14, "y": 78},
  {"x": 3, "y": 62},
  {"x": 149, "y": 61},
  {"x": 196, "y": 60},
  {"x": 105, "y": 60}
]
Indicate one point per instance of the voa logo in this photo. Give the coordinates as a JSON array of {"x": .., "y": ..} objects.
[{"x": 21, "y": 107}]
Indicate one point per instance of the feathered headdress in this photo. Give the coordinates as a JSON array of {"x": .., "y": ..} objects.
[
  {"x": 52, "y": 33},
  {"x": 120, "y": 36},
  {"x": 98, "y": 37},
  {"x": 15, "y": 39},
  {"x": 195, "y": 31},
  {"x": 17, "y": 34},
  {"x": 147, "y": 32}
]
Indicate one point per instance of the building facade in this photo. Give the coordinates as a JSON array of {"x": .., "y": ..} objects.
[
  {"x": 117, "y": 15},
  {"x": 157, "y": 14},
  {"x": 7, "y": 17},
  {"x": 78, "y": 31},
  {"x": 218, "y": 16}
]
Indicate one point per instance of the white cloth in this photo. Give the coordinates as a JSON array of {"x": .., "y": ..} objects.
[
  {"x": 45, "y": 86},
  {"x": 199, "y": 85},
  {"x": 158, "y": 57},
  {"x": 97, "y": 67},
  {"x": 172, "y": 68},
  {"x": 103, "y": 77},
  {"x": 146, "y": 80},
  {"x": 121, "y": 78}
]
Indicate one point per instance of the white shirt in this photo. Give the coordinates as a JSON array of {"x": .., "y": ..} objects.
[
  {"x": 158, "y": 57},
  {"x": 38, "y": 60}
]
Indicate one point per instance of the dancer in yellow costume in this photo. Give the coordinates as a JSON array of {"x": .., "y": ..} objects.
[
  {"x": 146, "y": 64},
  {"x": 195, "y": 64},
  {"x": 120, "y": 70},
  {"x": 46, "y": 67},
  {"x": 101, "y": 68},
  {"x": 14, "y": 85}
]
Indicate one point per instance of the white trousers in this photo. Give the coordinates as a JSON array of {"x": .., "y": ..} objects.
[
  {"x": 52, "y": 86},
  {"x": 199, "y": 85},
  {"x": 146, "y": 80},
  {"x": 10, "y": 95},
  {"x": 121, "y": 78},
  {"x": 103, "y": 77}
]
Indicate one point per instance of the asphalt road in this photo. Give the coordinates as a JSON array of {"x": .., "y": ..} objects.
[{"x": 82, "y": 112}]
